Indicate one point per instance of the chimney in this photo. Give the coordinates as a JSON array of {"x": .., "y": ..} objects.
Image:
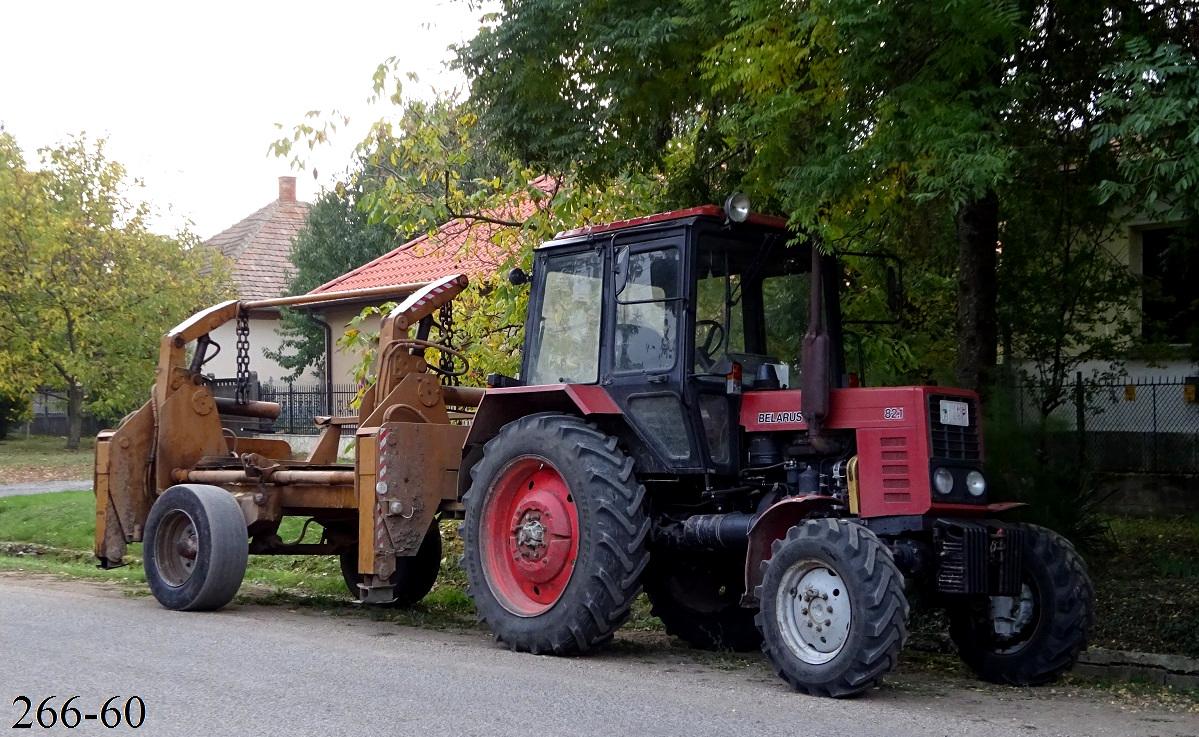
[{"x": 287, "y": 189}]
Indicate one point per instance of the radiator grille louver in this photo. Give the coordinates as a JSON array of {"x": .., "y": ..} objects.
[{"x": 954, "y": 442}]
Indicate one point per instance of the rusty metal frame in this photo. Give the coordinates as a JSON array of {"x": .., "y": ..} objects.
[{"x": 176, "y": 437}]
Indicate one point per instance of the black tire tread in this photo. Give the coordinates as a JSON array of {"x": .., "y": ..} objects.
[
  {"x": 227, "y": 548},
  {"x": 883, "y": 605},
  {"x": 599, "y": 605},
  {"x": 729, "y": 628},
  {"x": 414, "y": 576},
  {"x": 1057, "y": 650}
]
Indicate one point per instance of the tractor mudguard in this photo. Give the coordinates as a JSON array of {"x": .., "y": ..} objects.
[
  {"x": 773, "y": 525},
  {"x": 503, "y": 405}
]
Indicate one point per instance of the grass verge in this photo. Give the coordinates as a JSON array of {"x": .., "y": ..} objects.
[{"x": 44, "y": 458}]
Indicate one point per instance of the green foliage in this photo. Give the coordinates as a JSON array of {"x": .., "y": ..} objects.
[
  {"x": 1152, "y": 121},
  {"x": 14, "y": 409},
  {"x": 873, "y": 124},
  {"x": 86, "y": 290},
  {"x": 437, "y": 167},
  {"x": 336, "y": 238},
  {"x": 1060, "y": 492}
]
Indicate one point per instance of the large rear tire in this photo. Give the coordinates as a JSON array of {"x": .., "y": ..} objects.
[
  {"x": 414, "y": 575},
  {"x": 1033, "y": 638},
  {"x": 195, "y": 548},
  {"x": 697, "y": 595},
  {"x": 554, "y": 536},
  {"x": 834, "y": 615}
]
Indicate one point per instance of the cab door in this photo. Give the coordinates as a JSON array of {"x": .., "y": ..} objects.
[{"x": 645, "y": 369}]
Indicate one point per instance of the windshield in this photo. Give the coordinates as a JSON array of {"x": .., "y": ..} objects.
[
  {"x": 751, "y": 304},
  {"x": 563, "y": 345}
]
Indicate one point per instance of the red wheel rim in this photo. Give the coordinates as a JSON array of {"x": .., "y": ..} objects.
[{"x": 531, "y": 536}]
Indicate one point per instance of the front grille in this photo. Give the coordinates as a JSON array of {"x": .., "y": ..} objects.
[
  {"x": 978, "y": 558},
  {"x": 1007, "y": 559},
  {"x": 961, "y": 558},
  {"x": 954, "y": 442}
]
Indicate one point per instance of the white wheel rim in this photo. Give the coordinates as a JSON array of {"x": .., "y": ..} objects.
[{"x": 813, "y": 611}]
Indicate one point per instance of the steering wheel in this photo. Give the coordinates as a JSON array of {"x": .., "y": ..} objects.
[{"x": 705, "y": 350}]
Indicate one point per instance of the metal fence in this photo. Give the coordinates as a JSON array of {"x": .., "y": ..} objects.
[
  {"x": 1144, "y": 425},
  {"x": 50, "y": 417},
  {"x": 300, "y": 403}
]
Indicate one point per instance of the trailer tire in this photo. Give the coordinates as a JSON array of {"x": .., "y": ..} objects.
[
  {"x": 195, "y": 548},
  {"x": 697, "y": 595},
  {"x": 1056, "y": 583},
  {"x": 833, "y": 612},
  {"x": 414, "y": 574},
  {"x": 554, "y": 535}
]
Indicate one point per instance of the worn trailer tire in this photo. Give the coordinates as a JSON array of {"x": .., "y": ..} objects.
[
  {"x": 1051, "y": 620},
  {"x": 833, "y": 613},
  {"x": 414, "y": 574},
  {"x": 697, "y": 595},
  {"x": 195, "y": 548},
  {"x": 554, "y": 535}
]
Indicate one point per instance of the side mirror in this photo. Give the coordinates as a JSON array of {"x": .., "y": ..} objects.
[{"x": 517, "y": 277}]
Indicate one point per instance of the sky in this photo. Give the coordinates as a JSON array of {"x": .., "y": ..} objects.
[{"x": 188, "y": 94}]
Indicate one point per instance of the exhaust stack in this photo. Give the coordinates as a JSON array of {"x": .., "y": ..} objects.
[{"x": 814, "y": 361}]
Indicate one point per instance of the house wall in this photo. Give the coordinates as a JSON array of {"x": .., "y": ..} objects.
[
  {"x": 339, "y": 320},
  {"x": 263, "y": 336},
  {"x": 1127, "y": 248}
]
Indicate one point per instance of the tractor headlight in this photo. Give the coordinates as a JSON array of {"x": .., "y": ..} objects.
[
  {"x": 943, "y": 480},
  {"x": 976, "y": 484},
  {"x": 736, "y": 207}
]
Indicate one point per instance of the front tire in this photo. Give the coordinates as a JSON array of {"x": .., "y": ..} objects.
[
  {"x": 195, "y": 548},
  {"x": 1033, "y": 638},
  {"x": 833, "y": 612},
  {"x": 554, "y": 535}
]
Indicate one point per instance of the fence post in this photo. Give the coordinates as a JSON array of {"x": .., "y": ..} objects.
[
  {"x": 1155, "y": 466},
  {"x": 1080, "y": 406},
  {"x": 291, "y": 409}
]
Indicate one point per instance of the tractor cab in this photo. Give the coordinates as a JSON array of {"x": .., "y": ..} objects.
[{"x": 675, "y": 315}]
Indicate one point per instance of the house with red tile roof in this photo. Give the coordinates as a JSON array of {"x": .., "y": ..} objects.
[
  {"x": 471, "y": 246},
  {"x": 258, "y": 248}
]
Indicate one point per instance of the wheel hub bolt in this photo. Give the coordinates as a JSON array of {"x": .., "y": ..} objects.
[{"x": 828, "y": 623}]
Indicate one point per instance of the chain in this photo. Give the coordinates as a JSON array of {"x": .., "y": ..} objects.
[
  {"x": 445, "y": 336},
  {"x": 243, "y": 356}
]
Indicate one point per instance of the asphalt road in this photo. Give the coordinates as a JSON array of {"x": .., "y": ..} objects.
[
  {"x": 43, "y": 487},
  {"x": 261, "y": 671}
]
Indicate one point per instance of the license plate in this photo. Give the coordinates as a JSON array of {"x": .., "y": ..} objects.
[{"x": 955, "y": 413}]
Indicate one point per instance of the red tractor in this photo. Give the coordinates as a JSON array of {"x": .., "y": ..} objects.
[{"x": 665, "y": 433}]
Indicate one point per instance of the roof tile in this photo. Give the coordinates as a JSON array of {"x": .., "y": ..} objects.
[
  {"x": 462, "y": 246},
  {"x": 260, "y": 248}
]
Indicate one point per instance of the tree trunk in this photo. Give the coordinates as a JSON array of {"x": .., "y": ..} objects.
[
  {"x": 978, "y": 237},
  {"x": 74, "y": 415}
]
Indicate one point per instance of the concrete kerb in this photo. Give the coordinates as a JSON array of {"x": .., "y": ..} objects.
[{"x": 1166, "y": 670}]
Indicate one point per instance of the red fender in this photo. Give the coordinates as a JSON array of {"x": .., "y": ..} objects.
[{"x": 771, "y": 526}]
